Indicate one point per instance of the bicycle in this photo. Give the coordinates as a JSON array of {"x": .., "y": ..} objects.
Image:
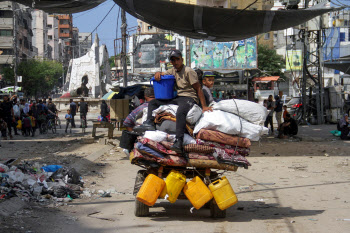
[
  {"x": 51, "y": 125},
  {"x": 43, "y": 128}
]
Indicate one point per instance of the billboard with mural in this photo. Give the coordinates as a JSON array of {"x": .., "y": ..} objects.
[
  {"x": 236, "y": 55},
  {"x": 150, "y": 52},
  {"x": 294, "y": 60}
]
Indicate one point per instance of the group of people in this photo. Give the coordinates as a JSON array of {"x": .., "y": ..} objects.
[
  {"x": 27, "y": 116},
  {"x": 289, "y": 126},
  {"x": 81, "y": 107}
]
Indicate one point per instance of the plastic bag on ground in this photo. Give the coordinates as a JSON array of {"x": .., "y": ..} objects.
[
  {"x": 250, "y": 111},
  {"x": 3, "y": 168},
  {"x": 51, "y": 168},
  {"x": 70, "y": 176},
  {"x": 230, "y": 124}
]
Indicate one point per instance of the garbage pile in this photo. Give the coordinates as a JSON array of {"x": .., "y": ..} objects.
[
  {"x": 223, "y": 135},
  {"x": 33, "y": 182}
]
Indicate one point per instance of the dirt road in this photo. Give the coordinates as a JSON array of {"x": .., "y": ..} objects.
[{"x": 291, "y": 187}]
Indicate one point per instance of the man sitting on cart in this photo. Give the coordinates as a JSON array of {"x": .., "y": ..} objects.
[{"x": 189, "y": 92}]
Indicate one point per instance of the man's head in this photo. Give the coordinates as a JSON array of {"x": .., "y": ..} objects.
[
  {"x": 288, "y": 116},
  {"x": 176, "y": 59},
  {"x": 40, "y": 101},
  {"x": 285, "y": 107},
  {"x": 82, "y": 99},
  {"x": 50, "y": 100},
  {"x": 6, "y": 98},
  {"x": 71, "y": 100},
  {"x": 208, "y": 79},
  {"x": 270, "y": 98},
  {"x": 149, "y": 94}
]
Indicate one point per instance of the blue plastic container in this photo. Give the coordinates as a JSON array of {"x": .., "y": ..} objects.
[{"x": 164, "y": 89}]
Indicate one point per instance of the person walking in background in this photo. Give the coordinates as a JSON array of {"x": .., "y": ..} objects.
[
  {"x": 73, "y": 111},
  {"x": 270, "y": 105},
  {"x": 278, "y": 110},
  {"x": 68, "y": 118},
  {"x": 6, "y": 109},
  {"x": 16, "y": 113},
  {"x": 83, "y": 107},
  {"x": 104, "y": 111}
]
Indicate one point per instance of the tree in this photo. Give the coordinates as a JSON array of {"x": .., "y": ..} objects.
[
  {"x": 112, "y": 63},
  {"x": 270, "y": 61},
  {"x": 39, "y": 77}
]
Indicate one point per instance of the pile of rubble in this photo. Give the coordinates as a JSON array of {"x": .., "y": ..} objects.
[{"x": 34, "y": 182}]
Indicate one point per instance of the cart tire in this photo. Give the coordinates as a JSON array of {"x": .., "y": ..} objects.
[
  {"x": 215, "y": 211},
  {"x": 140, "y": 178},
  {"x": 141, "y": 210}
]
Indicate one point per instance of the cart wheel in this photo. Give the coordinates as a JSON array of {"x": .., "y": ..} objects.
[
  {"x": 140, "y": 178},
  {"x": 215, "y": 211},
  {"x": 141, "y": 210}
]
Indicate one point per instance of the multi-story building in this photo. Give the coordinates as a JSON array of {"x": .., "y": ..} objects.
[
  {"x": 65, "y": 33},
  {"x": 15, "y": 28},
  {"x": 53, "y": 39},
  {"x": 40, "y": 31},
  {"x": 85, "y": 42},
  {"x": 75, "y": 43}
]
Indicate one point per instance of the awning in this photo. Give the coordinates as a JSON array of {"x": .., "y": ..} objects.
[
  {"x": 62, "y": 6},
  {"x": 266, "y": 79},
  {"x": 109, "y": 95},
  {"x": 215, "y": 24},
  {"x": 342, "y": 64}
]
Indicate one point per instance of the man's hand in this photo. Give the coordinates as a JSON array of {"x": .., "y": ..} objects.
[
  {"x": 158, "y": 76},
  {"x": 207, "y": 109}
]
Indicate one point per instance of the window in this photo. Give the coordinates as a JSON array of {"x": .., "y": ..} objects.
[
  {"x": 6, "y": 14},
  {"x": 4, "y": 32},
  {"x": 50, "y": 37},
  {"x": 342, "y": 36},
  {"x": 150, "y": 27},
  {"x": 6, "y": 51},
  {"x": 267, "y": 36},
  {"x": 49, "y": 26}
]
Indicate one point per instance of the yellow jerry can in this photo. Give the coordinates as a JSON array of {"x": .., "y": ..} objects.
[
  {"x": 150, "y": 190},
  {"x": 174, "y": 184},
  {"x": 197, "y": 192},
  {"x": 223, "y": 193}
]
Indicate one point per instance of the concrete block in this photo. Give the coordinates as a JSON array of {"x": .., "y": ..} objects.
[
  {"x": 87, "y": 140},
  {"x": 11, "y": 206}
]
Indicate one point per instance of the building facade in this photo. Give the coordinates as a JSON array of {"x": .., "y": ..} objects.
[
  {"x": 85, "y": 42},
  {"x": 53, "y": 39},
  {"x": 40, "y": 31}
]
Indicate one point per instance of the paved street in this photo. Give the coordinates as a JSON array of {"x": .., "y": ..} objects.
[{"x": 307, "y": 191}]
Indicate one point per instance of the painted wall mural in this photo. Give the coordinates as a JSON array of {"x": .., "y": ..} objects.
[{"x": 236, "y": 55}]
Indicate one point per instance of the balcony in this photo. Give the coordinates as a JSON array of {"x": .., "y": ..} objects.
[
  {"x": 65, "y": 26},
  {"x": 65, "y": 35},
  {"x": 6, "y": 59},
  {"x": 64, "y": 17}
]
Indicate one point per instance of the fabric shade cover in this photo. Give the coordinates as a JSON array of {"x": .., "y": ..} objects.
[
  {"x": 109, "y": 95},
  {"x": 215, "y": 24},
  {"x": 62, "y": 6}
]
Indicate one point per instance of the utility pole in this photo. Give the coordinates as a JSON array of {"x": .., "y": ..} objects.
[
  {"x": 305, "y": 50},
  {"x": 123, "y": 54},
  {"x": 15, "y": 44}
]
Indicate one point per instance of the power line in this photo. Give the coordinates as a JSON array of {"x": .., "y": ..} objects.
[{"x": 100, "y": 22}]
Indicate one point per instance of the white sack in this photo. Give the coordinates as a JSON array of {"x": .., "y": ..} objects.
[
  {"x": 230, "y": 124},
  {"x": 250, "y": 111},
  {"x": 192, "y": 117},
  {"x": 159, "y": 136},
  {"x": 156, "y": 136},
  {"x": 144, "y": 116}
]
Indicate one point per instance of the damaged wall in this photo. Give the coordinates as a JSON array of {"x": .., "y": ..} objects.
[{"x": 95, "y": 65}]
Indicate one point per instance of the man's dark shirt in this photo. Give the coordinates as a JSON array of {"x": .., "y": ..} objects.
[
  {"x": 73, "y": 108},
  {"x": 293, "y": 127},
  {"x": 6, "y": 108},
  {"x": 83, "y": 107},
  {"x": 52, "y": 107}
]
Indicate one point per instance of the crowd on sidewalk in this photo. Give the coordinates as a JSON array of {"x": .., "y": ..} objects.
[{"x": 25, "y": 117}]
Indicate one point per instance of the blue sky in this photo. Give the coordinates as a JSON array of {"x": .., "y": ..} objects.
[{"x": 87, "y": 21}]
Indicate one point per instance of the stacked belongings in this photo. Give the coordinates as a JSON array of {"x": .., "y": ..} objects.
[{"x": 223, "y": 142}]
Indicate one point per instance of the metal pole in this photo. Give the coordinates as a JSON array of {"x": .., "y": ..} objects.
[
  {"x": 305, "y": 50},
  {"x": 124, "y": 55},
  {"x": 15, "y": 44},
  {"x": 320, "y": 113}
]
